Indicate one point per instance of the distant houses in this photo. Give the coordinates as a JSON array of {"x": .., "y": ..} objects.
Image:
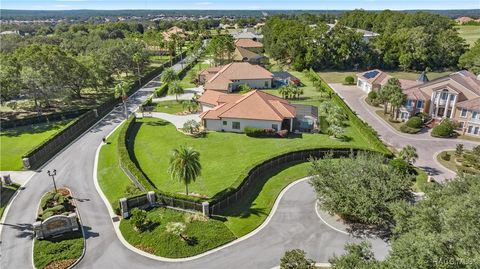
[{"x": 464, "y": 20}]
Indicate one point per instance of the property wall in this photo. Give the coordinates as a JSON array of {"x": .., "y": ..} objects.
[
  {"x": 253, "y": 83},
  {"x": 217, "y": 125}
]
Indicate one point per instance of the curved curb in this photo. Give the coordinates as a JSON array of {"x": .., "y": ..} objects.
[
  {"x": 435, "y": 158},
  {"x": 317, "y": 264},
  {"x": 328, "y": 224},
  {"x": 116, "y": 225}
]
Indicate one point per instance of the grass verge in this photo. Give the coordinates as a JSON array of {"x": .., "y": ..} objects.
[
  {"x": 170, "y": 107},
  {"x": 59, "y": 252},
  {"x": 7, "y": 193},
  {"x": 15, "y": 142},
  {"x": 203, "y": 234}
]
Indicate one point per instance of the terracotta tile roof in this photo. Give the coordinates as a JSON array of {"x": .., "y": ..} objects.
[
  {"x": 241, "y": 53},
  {"x": 248, "y": 43},
  {"x": 255, "y": 105},
  {"x": 236, "y": 71},
  {"x": 173, "y": 30},
  {"x": 470, "y": 104},
  {"x": 210, "y": 97}
]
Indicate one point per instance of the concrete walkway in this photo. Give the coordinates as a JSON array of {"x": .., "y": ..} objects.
[
  {"x": 187, "y": 95},
  {"x": 427, "y": 147}
]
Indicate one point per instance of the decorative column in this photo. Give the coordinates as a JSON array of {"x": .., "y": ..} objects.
[
  {"x": 205, "y": 209},
  {"x": 437, "y": 103},
  {"x": 452, "y": 114},
  {"x": 445, "y": 111}
]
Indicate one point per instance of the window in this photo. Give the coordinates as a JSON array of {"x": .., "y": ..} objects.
[
  {"x": 419, "y": 104},
  {"x": 404, "y": 115},
  {"x": 474, "y": 115},
  {"x": 444, "y": 95},
  {"x": 452, "y": 97},
  {"x": 470, "y": 129},
  {"x": 408, "y": 103},
  {"x": 275, "y": 127},
  {"x": 476, "y": 130},
  {"x": 266, "y": 84},
  {"x": 463, "y": 114},
  {"x": 236, "y": 125},
  {"x": 461, "y": 124},
  {"x": 224, "y": 122}
]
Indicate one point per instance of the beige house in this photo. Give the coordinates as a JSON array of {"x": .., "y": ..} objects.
[
  {"x": 228, "y": 78},
  {"x": 244, "y": 55},
  {"x": 249, "y": 44},
  {"x": 234, "y": 112}
]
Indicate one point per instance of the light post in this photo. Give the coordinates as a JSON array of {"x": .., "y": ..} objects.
[{"x": 53, "y": 174}]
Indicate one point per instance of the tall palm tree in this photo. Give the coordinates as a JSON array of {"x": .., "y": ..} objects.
[
  {"x": 137, "y": 58},
  {"x": 168, "y": 75},
  {"x": 409, "y": 154},
  {"x": 184, "y": 165},
  {"x": 175, "y": 88},
  {"x": 121, "y": 90}
]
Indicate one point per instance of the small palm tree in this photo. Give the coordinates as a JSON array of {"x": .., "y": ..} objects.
[
  {"x": 244, "y": 88},
  {"x": 336, "y": 130},
  {"x": 137, "y": 59},
  {"x": 184, "y": 165},
  {"x": 169, "y": 75},
  {"x": 409, "y": 154},
  {"x": 175, "y": 88},
  {"x": 121, "y": 90}
]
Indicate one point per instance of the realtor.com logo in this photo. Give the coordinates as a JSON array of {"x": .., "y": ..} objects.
[{"x": 456, "y": 261}]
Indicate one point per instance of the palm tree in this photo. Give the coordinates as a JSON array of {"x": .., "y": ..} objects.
[
  {"x": 175, "y": 88},
  {"x": 396, "y": 100},
  {"x": 336, "y": 130},
  {"x": 244, "y": 88},
  {"x": 121, "y": 90},
  {"x": 169, "y": 75},
  {"x": 409, "y": 154},
  {"x": 137, "y": 58},
  {"x": 184, "y": 165}
]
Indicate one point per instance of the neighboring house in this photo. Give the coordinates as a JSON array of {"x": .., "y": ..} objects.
[
  {"x": 455, "y": 96},
  {"x": 234, "y": 112},
  {"x": 244, "y": 55},
  {"x": 173, "y": 30},
  {"x": 228, "y": 78},
  {"x": 247, "y": 34},
  {"x": 463, "y": 20},
  {"x": 282, "y": 78},
  {"x": 367, "y": 35},
  {"x": 249, "y": 44}
]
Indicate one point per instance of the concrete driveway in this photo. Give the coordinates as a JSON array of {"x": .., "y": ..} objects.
[
  {"x": 177, "y": 120},
  {"x": 187, "y": 95},
  {"x": 427, "y": 147}
]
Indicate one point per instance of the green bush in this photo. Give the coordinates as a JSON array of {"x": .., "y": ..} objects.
[
  {"x": 409, "y": 130},
  {"x": 349, "y": 80},
  {"x": 445, "y": 156},
  {"x": 372, "y": 95},
  {"x": 401, "y": 166},
  {"x": 254, "y": 132},
  {"x": 161, "y": 91},
  {"x": 138, "y": 218},
  {"x": 444, "y": 129},
  {"x": 414, "y": 122}
]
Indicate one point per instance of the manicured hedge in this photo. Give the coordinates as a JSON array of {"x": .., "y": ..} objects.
[
  {"x": 409, "y": 130},
  {"x": 444, "y": 129},
  {"x": 414, "y": 122}
]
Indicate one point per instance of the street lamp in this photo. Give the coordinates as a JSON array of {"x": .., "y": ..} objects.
[{"x": 53, "y": 174}]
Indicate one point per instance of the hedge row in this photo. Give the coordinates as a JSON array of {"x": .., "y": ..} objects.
[{"x": 368, "y": 132}]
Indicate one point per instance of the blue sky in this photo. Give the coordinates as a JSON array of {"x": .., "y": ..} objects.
[{"x": 239, "y": 4}]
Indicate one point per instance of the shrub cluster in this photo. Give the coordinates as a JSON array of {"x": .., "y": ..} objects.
[
  {"x": 259, "y": 132},
  {"x": 409, "y": 130},
  {"x": 444, "y": 129},
  {"x": 414, "y": 122},
  {"x": 349, "y": 80}
]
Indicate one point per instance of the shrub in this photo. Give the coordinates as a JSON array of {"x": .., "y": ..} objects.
[
  {"x": 444, "y": 129},
  {"x": 349, "y": 80},
  {"x": 254, "y": 132},
  {"x": 405, "y": 129},
  {"x": 459, "y": 150},
  {"x": 372, "y": 95},
  {"x": 445, "y": 156},
  {"x": 191, "y": 127},
  {"x": 282, "y": 133},
  {"x": 295, "y": 259},
  {"x": 176, "y": 228},
  {"x": 401, "y": 166},
  {"x": 138, "y": 218},
  {"x": 414, "y": 122}
]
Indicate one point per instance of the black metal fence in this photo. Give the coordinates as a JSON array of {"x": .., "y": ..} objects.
[{"x": 5, "y": 124}]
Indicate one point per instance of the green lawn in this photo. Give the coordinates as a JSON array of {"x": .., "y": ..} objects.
[
  {"x": 199, "y": 66},
  {"x": 449, "y": 164},
  {"x": 204, "y": 234},
  {"x": 59, "y": 252},
  {"x": 170, "y": 107},
  {"x": 224, "y": 156},
  {"x": 420, "y": 180},
  {"x": 386, "y": 118},
  {"x": 17, "y": 141},
  {"x": 470, "y": 33},
  {"x": 246, "y": 215},
  {"x": 111, "y": 178},
  {"x": 7, "y": 193}
]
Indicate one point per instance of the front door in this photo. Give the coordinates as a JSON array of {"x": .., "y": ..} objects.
[{"x": 441, "y": 112}]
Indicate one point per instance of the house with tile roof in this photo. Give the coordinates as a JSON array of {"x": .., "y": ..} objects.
[
  {"x": 173, "y": 30},
  {"x": 243, "y": 55},
  {"x": 455, "y": 96},
  {"x": 234, "y": 112},
  {"x": 249, "y": 44},
  {"x": 247, "y": 34},
  {"x": 228, "y": 78}
]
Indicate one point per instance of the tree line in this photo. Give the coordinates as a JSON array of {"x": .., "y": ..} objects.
[{"x": 410, "y": 41}]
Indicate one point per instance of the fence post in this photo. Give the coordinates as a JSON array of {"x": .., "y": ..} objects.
[
  {"x": 26, "y": 162},
  {"x": 205, "y": 209},
  {"x": 124, "y": 208},
  {"x": 151, "y": 197},
  {"x": 96, "y": 112}
]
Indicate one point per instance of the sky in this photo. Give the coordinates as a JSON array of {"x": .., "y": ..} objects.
[{"x": 239, "y": 4}]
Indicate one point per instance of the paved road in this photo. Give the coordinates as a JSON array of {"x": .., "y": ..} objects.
[{"x": 427, "y": 146}]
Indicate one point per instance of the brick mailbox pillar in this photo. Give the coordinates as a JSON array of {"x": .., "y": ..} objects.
[
  {"x": 205, "y": 209},
  {"x": 124, "y": 208},
  {"x": 151, "y": 197}
]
